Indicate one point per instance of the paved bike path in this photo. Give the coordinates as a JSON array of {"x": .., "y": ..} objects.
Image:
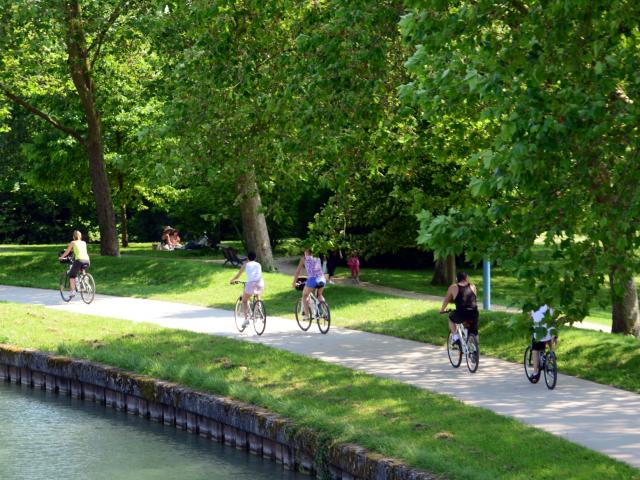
[{"x": 599, "y": 417}]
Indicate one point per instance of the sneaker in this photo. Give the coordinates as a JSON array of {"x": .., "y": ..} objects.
[
  {"x": 72, "y": 293},
  {"x": 246, "y": 322},
  {"x": 332, "y": 282}
]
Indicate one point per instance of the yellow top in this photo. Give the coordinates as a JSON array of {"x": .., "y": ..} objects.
[{"x": 80, "y": 250}]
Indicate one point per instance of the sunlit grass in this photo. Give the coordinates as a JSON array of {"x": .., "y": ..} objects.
[
  {"x": 207, "y": 284},
  {"x": 424, "y": 429}
]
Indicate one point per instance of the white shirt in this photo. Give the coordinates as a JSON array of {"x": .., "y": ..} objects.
[
  {"x": 537, "y": 317},
  {"x": 254, "y": 271}
]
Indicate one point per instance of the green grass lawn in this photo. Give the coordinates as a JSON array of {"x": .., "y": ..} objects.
[
  {"x": 425, "y": 430},
  {"x": 600, "y": 357}
]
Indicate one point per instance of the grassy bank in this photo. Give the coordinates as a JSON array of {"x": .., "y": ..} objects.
[
  {"x": 604, "y": 358},
  {"x": 423, "y": 429}
]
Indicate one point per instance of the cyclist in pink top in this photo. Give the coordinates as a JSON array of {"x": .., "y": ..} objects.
[{"x": 315, "y": 278}]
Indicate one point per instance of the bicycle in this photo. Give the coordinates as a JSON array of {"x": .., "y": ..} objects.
[
  {"x": 318, "y": 311},
  {"x": 256, "y": 313},
  {"x": 548, "y": 364},
  {"x": 85, "y": 284},
  {"x": 467, "y": 345}
]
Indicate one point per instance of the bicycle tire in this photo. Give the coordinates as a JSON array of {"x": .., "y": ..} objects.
[
  {"x": 238, "y": 315},
  {"x": 551, "y": 370},
  {"x": 528, "y": 365},
  {"x": 87, "y": 288},
  {"x": 303, "y": 323},
  {"x": 324, "y": 317},
  {"x": 259, "y": 317},
  {"x": 473, "y": 353},
  {"x": 64, "y": 287},
  {"x": 454, "y": 352}
]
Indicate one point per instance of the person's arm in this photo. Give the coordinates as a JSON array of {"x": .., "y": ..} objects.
[
  {"x": 448, "y": 298},
  {"x": 237, "y": 275},
  {"x": 298, "y": 269},
  {"x": 67, "y": 251}
]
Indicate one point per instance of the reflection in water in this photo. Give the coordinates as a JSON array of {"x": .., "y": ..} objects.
[{"x": 47, "y": 436}]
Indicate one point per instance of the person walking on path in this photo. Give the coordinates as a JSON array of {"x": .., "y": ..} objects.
[
  {"x": 464, "y": 295},
  {"x": 254, "y": 285},
  {"x": 354, "y": 264},
  {"x": 81, "y": 259},
  {"x": 315, "y": 278}
]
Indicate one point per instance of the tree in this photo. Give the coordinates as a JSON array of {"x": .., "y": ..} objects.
[
  {"x": 43, "y": 46},
  {"x": 554, "y": 86}
]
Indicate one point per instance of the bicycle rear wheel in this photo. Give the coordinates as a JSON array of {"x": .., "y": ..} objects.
[
  {"x": 65, "y": 286},
  {"x": 238, "y": 314},
  {"x": 473, "y": 353},
  {"x": 551, "y": 370},
  {"x": 324, "y": 317},
  {"x": 259, "y": 317},
  {"x": 528, "y": 365},
  {"x": 454, "y": 351},
  {"x": 87, "y": 288},
  {"x": 303, "y": 323}
]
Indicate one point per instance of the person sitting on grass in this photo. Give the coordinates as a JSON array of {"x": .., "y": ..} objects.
[
  {"x": 255, "y": 283},
  {"x": 81, "y": 258},
  {"x": 315, "y": 278},
  {"x": 542, "y": 334}
]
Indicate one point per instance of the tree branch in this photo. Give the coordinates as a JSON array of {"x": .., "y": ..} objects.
[
  {"x": 97, "y": 42},
  {"x": 14, "y": 98}
]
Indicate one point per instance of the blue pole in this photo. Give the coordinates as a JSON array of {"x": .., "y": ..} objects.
[{"x": 486, "y": 284}]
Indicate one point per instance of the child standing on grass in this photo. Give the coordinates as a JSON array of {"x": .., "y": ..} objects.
[{"x": 354, "y": 264}]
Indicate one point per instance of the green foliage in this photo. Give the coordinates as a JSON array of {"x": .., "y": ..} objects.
[{"x": 552, "y": 86}]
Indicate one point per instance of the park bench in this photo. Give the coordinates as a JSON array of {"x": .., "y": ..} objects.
[{"x": 231, "y": 256}]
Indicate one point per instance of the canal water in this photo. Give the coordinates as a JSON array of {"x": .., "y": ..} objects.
[{"x": 48, "y": 436}]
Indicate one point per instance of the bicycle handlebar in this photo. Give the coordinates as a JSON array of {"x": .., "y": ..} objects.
[{"x": 446, "y": 311}]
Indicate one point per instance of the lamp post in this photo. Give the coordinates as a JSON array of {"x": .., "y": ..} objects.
[{"x": 486, "y": 284}]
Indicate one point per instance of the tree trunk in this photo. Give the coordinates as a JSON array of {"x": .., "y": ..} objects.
[
  {"x": 125, "y": 225},
  {"x": 82, "y": 79},
  {"x": 254, "y": 225},
  {"x": 124, "y": 221},
  {"x": 445, "y": 271},
  {"x": 625, "y": 316}
]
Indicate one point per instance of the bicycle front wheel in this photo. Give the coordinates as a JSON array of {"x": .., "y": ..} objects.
[
  {"x": 454, "y": 351},
  {"x": 238, "y": 314},
  {"x": 65, "y": 287},
  {"x": 551, "y": 371},
  {"x": 324, "y": 317},
  {"x": 528, "y": 365},
  {"x": 259, "y": 317},
  {"x": 473, "y": 353},
  {"x": 303, "y": 322},
  {"x": 87, "y": 288}
]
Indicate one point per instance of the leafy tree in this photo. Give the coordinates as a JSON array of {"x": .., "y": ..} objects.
[
  {"x": 555, "y": 87},
  {"x": 54, "y": 55}
]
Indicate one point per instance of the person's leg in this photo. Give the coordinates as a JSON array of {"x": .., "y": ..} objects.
[
  {"x": 319, "y": 295},
  {"x": 305, "y": 300},
  {"x": 245, "y": 306}
]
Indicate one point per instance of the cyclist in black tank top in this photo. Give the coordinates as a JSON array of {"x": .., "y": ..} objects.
[{"x": 463, "y": 294}]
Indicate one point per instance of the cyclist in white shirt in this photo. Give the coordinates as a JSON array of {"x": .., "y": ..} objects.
[
  {"x": 255, "y": 282},
  {"x": 542, "y": 333}
]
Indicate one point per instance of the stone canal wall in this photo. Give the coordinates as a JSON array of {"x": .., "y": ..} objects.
[{"x": 216, "y": 417}]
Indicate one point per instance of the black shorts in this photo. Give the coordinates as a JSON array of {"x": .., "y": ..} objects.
[
  {"x": 538, "y": 346},
  {"x": 470, "y": 319},
  {"x": 77, "y": 266}
]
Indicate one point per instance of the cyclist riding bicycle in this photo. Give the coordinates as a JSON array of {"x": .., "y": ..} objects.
[
  {"x": 315, "y": 278},
  {"x": 463, "y": 294},
  {"x": 81, "y": 259},
  {"x": 255, "y": 283},
  {"x": 542, "y": 335}
]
